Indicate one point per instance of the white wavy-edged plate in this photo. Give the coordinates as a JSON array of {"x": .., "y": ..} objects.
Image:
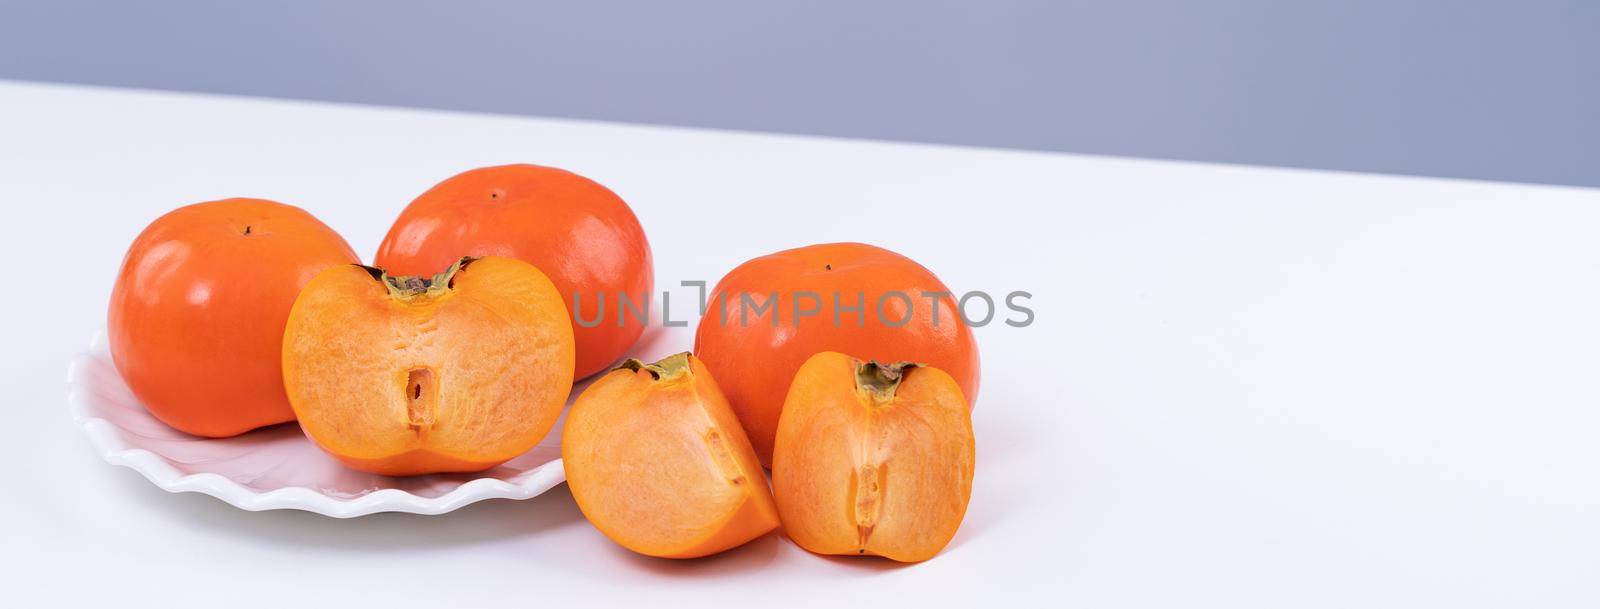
[{"x": 277, "y": 468}]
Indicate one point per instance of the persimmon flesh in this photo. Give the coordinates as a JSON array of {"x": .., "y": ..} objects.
[
  {"x": 657, "y": 461},
  {"x": 873, "y": 458},
  {"x": 411, "y": 375}
]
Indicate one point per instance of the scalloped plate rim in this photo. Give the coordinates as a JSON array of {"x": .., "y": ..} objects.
[{"x": 108, "y": 442}]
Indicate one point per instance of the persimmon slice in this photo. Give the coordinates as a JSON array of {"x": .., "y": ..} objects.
[
  {"x": 413, "y": 375},
  {"x": 658, "y": 462},
  {"x": 873, "y": 458}
]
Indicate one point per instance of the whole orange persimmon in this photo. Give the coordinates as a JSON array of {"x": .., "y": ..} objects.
[
  {"x": 770, "y": 314},
  {"x": 582, "y": 235},
  {"x": 197, "y": 314}
]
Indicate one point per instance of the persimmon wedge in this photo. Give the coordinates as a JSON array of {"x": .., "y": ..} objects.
[
  {"x": 658, "y": 462},
  {"x": 873, "y": 458},
  {"x": 411, "y": 375}
]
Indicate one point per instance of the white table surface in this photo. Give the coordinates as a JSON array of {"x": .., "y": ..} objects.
[{"x": 1245, "y": 387}]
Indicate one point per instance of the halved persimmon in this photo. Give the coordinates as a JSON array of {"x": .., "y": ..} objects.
[
  {"x": 873, "y": 458},
  {"x": 658, "y": 462},
  {"x": 413, "y": 375}
]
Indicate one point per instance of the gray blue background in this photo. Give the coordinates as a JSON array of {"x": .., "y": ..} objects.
[{"x": 1488, "y": 90}]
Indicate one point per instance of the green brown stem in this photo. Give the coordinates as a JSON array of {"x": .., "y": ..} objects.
[
  {"x": 411, "y": 287},
  {"x": 879, "y": 380},
  {"x": 669, "y": 368}
]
